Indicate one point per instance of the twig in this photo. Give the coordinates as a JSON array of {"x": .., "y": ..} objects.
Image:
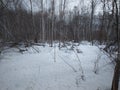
[
  {"x": 36, "y": 49},
  {"x": 68, "y": 64}
]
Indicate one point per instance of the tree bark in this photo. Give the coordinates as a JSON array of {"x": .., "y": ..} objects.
[{"x": 115, "y": 82}]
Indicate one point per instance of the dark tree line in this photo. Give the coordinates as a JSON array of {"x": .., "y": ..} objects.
[{"x": 21, "y": 25}]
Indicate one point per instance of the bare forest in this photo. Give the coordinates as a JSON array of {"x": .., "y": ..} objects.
[{"x": 95, "y": 21}]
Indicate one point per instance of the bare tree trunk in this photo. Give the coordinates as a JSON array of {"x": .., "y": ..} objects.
[
  {"x": 52, "y": 13},
  {"x": 102, "y": 25},
  {"x": 115, "y": 83},
  {"x": 91, "y": 21},
  {"x": 93, "y": 6},
  {"x": 33, "y": 24},
  {"x": 43, "y": 22}
]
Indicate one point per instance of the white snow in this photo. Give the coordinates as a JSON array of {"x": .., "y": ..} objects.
[{"x": 54, "y": 69}]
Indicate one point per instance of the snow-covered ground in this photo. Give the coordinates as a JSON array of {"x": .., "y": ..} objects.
[{"x": 54, "y": 69}]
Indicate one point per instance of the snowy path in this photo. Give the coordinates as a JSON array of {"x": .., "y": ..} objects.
[{"x": 38, "y": 71}]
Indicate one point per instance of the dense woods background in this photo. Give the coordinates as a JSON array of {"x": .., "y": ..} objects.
[{"x": 19, "y": 24}]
